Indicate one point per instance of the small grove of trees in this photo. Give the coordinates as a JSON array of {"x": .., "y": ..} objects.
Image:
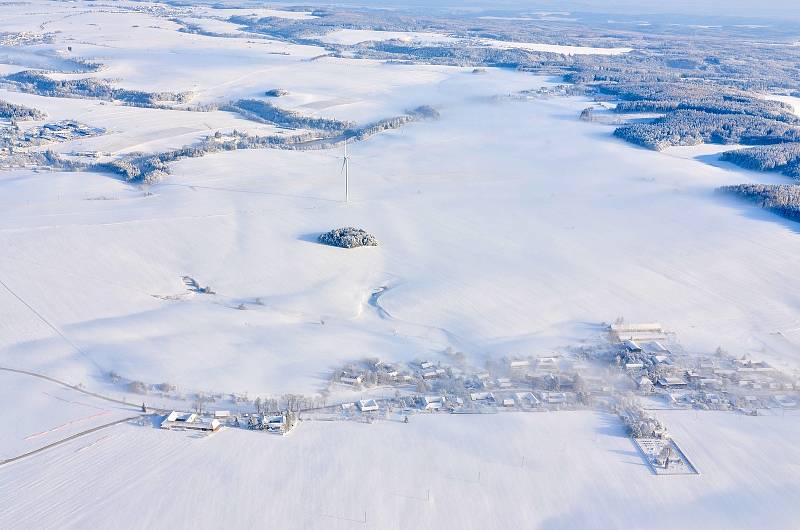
[
  {"x": 348, "y": 237},
  {"x": 16, "y": 112},
  {"x": 262, "y": 111}
]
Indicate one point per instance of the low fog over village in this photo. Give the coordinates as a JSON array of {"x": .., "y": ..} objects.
[{"x": 399, "y": 264}]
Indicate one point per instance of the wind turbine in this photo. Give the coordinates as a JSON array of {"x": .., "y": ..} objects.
[{"x": 346, "y": 169}]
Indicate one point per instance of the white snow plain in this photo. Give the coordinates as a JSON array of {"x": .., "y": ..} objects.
[{"x": 564, "y": 470}]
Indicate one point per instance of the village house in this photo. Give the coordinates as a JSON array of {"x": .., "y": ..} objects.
[
  {"x": 518, "y": 364},
  {"x": 554, "y": 398},
  {"x": 433, "y": 402},
  {"x": 672, "y": 382},
  {"x": 482, "y": 396},
  {"x": 527, "y": 399}
]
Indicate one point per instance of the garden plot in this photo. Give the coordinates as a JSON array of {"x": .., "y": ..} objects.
[{"x": 665, "y": 457}]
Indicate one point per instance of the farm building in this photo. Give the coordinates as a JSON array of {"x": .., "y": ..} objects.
[
  {"x": 189, "y": 420},
  {"x": 648, "y": 331}
]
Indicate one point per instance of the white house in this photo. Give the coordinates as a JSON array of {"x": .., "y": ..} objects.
[
  {"x": 276, "y": 423},
  {"x": 350, "y": 380},
  {"x": 433, "y": 402},
  {"x": 508, "y": 402},
  {"x": 631, "y": 346},
  {"x": 503, "y": 382},
  {"x": 554, "y": 398},
  {"x": 785, "y": 401},
  {"x": 527, "y": 399},
  {"x": 672, "y": 382},
  {"x": 481, "y": 396}
]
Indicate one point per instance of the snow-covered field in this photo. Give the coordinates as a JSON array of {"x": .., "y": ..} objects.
[
  {"x": 51, "y": 412},
  {"x": 578, "y": 231},
  {"x": 554, "y": 48},
  {"x": 505, "y": 227},
  {"x": 526, "y": 470}
]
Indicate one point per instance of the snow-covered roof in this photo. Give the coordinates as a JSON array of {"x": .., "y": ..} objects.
[
  {"x": 367, "y": 405},
  {"x": 631, "y": 345},
  {"x": 671, "y": 381}
]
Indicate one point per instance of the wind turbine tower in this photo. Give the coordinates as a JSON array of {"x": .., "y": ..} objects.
[{"x": 346, "y": 169}]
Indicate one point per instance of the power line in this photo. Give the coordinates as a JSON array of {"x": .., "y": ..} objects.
[{"x": 50, "y": 325}]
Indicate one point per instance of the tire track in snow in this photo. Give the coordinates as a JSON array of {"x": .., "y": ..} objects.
[{"x": 375, "y": 302}]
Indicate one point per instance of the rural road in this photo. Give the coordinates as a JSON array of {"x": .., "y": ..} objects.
[{"x": 68, "y": 439}]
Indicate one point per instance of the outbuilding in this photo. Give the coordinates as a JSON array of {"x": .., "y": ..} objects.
[
  {"x": 367, "y": 405},
  {"x": 672, "y": 382}
]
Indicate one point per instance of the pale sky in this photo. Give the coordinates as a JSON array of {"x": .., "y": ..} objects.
[{"x": 741, "y": 8}]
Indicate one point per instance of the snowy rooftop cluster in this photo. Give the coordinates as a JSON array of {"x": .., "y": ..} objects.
[{"x": 348, "y": 237}]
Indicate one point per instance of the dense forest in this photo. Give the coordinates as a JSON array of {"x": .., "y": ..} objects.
[
  {"x": 691, "y": 127},
  {"x": 35, "y": 82},
  {"x": 781, "y": 157},
  {"x": 783, "y": 199}
]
